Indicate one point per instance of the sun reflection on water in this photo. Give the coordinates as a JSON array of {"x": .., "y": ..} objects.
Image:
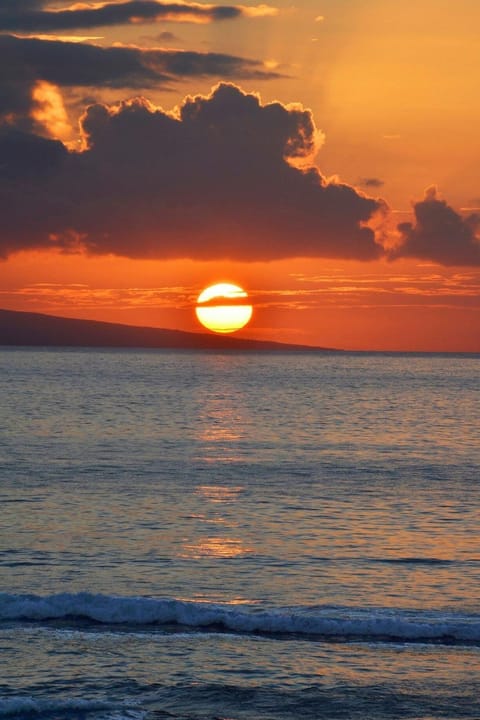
[
  {"x": 216, "y": 547},
  {"x": 223, "y": 421},
  {"x": 212, "y": 519},
  {"x": 218, "y": 493}
]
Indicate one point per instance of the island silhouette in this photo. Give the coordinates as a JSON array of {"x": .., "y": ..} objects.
[{"x": 39, "y": 330}]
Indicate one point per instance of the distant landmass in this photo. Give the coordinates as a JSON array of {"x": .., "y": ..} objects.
[{"x": 38, "y": 330}]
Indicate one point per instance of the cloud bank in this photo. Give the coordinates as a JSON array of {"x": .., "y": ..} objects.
[{"x": 220, "y": 178}]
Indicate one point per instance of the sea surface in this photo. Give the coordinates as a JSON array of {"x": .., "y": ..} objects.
[{"x": 239, "y": 536}]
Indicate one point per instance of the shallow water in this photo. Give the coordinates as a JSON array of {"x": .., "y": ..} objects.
[{"x": 239, "y": 535}]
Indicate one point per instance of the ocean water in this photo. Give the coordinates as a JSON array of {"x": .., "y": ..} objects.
[{"x": 239, "y": 536}]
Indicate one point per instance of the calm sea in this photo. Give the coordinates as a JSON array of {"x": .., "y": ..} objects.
[{"x": 241, "y": 536}]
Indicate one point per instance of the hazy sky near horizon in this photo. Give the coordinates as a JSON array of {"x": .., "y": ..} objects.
[{"x": 322, "y": 154}]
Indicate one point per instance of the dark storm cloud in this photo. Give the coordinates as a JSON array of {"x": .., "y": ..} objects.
[
  {"x": 69, "y": 64},
  {"x": 440, "y": 234},
  {"x": 34, "y": 17},
  {"x": 217, "y": 180}
]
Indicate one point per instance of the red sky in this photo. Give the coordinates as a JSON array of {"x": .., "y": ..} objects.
[{"x": 334, "y": 176}]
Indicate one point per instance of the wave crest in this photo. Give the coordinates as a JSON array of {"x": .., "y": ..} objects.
[
  {"x": 25, "y": 706},
  {"x": 330, "y": 623}
]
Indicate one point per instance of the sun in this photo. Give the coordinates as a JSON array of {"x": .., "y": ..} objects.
[{"x": 223, "y": 308}]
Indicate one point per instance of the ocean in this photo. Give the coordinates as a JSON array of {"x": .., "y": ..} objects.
[{"x": 239, "y": 536}]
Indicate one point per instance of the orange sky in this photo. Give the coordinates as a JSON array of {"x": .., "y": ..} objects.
[{"x": 391, "y": 88}]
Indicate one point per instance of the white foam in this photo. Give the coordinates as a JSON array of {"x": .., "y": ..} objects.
[
  {"x": 334, "y": 623},
  {"x": 27, "y": 705}
]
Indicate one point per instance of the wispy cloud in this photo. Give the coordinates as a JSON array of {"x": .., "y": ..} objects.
[
  {"x": 333, "y": 291},
  {"x": 79, "y": 295}
]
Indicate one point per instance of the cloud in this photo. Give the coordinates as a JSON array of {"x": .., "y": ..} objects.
[
  {"x": 370, "y": 182},
  {"x": 79, "y": 295},
  {"x": 68, "y": 64},
  {"x": 219, "y": 178},
  {"x": 256, "y": 11},
  {"x": 35, "y": 16},
  {"x": 165, "y": 36},
  {"x": 48, "y": 110},
  {"x": 440, "y": 234}
]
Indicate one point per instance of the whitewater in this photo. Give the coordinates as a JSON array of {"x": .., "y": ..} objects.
[
  {"x": 328, "y": 623},
  {"x": 239, "y": 535}
]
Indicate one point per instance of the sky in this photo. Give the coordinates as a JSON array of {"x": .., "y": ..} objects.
[{"x": 321, "y": 154}]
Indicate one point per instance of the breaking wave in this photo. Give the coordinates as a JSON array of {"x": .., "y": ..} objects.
[
  {"x": 27, "y": 706},
  {"x": 313, "y": 622}
]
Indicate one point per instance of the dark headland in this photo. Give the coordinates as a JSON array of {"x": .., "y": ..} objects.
[{"x": 38, "y": 330}]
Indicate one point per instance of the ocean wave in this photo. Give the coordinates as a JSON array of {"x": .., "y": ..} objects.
[
  {"x": 415, "y": 561},
  {"x": 321, "y": 622},
  {"x": 27, "y": 706}
]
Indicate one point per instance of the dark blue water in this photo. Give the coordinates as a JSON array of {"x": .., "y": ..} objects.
[{"x": 201, "y": 535}]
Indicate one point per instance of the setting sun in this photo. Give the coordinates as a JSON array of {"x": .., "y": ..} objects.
[{"x": 223, "y": 308}]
